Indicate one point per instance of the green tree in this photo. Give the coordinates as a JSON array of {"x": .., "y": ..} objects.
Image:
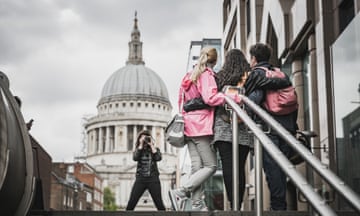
[{"x": 109, "y": 200}]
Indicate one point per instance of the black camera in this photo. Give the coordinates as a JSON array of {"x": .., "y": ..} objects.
[{"x": 147, "y": 139}]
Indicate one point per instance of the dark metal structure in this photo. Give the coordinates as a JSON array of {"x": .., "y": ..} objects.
[{"x": 17, "y": 180}]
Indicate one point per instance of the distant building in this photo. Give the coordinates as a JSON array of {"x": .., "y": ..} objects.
[
  {"x": 42, "y": 173},
  {"x": 87, "y": 175},
  {"x": 195, "y": 48},
  {"x": 349, "y": 165},
  {"x": 133, "y": 98},
  {"x": 75, "y": 186}
]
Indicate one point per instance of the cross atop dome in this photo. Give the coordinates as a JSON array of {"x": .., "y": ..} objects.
[
  {"x": 135, "y": 45},
  {"x": 135, "y": 20}
]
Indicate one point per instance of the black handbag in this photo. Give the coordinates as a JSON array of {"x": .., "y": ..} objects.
[
  {"x": 195, "y": 104},
  {"x": 295, "y": 158}
]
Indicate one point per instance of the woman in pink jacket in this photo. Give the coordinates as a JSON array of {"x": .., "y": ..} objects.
[{"x": 199, "y": 129}]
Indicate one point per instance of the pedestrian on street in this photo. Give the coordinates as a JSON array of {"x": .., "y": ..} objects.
[{"x": 147, "y": 173}]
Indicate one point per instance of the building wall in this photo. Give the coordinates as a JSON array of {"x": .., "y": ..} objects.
[
  {"x": 301, "y": 33},
  {"x": 56, "y": 195},
  {"x": 87, "y": 175},
  {"x": 345, "y": 56},
  {"x": 351, "y": 141},
  {"x": 42, "y": 173},
  {"x": 75, "y": 186},
  {"x": 64, "y": 196}
]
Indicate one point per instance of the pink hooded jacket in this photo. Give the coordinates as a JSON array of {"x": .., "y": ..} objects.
[{"x": 200, "y": 122}]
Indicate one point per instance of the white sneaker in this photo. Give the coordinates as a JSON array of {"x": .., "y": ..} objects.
[
  {"x": 178, "y": 198},
  {"x": 199, "y": 205}
]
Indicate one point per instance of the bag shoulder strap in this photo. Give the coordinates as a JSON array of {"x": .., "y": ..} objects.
[
  {"x": 181, "y": 102},
  {"x": 273, "y": 72},
  {"x": 262, "y": 68}
]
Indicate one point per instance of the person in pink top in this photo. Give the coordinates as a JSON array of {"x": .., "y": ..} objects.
[{"x": 199, "y": 129}]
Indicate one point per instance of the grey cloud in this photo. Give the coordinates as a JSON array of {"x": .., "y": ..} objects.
[
  {"x": 156, "y": 17},
  {"x": 58, "y": 66},
  {"x": 25, "y": 26}
]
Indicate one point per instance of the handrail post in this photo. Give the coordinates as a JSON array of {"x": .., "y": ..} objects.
[
  {"x": 258, "y": 176},
  {"x": 310, "y": 179},
  {"x": 310, "y": 174},
  {"x": 235, "y": 149}
]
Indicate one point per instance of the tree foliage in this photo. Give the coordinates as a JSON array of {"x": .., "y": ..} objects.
[{"x": 109, "y": 200}]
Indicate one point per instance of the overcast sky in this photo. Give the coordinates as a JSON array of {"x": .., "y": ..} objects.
[{"x": 58, "y": 54}]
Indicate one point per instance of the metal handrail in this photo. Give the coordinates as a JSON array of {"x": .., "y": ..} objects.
[
  {"x": 314, "y": 198},
  {"x": 338, "y": 184},
  {"x": 235, "y": 162}
]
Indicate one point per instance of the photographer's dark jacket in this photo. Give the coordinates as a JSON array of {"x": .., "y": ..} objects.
[{"x": 146, "y": 166}]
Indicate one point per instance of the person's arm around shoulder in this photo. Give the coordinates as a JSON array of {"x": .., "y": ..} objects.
[
  {"x": 209, "y": 91},
  {"x": 257, "y": 96},
  {"x": 259, "y": 79}
]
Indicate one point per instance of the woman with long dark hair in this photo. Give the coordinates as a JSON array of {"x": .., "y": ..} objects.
[
  {"x": 147, "y": 173},
  {"x": 233, "y": 73}
]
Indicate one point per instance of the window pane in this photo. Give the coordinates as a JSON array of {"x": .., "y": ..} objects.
[{"x": 346, "y": 78}]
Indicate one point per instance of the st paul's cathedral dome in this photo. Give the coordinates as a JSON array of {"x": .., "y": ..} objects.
[{"x": 134, "y": 79}]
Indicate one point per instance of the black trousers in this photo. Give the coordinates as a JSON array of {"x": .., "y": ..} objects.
[
  {"x": 141, "y": 184},
  {"x": 226, "y": 155},
  {"x": 275, "y": 176}
]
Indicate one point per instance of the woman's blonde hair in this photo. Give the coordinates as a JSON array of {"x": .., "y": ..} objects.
[{"x": 208, "y": 57}]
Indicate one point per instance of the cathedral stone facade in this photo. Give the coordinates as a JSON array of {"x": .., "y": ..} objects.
[{"x": 134, "y": 98}]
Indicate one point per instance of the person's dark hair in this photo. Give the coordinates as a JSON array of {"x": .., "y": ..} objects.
[
  {"x": 143, "y": 132},
  {"x": 235, "y": 65},
  {"x": 261, "y": 52}
]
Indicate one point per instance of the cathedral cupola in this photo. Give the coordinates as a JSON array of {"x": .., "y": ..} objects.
[{"x": 135, "y": 45}]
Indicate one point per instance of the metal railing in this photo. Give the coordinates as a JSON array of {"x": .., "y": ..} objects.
[{"x": 263, "y": 141}]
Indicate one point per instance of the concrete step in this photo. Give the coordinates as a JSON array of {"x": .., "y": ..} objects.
[{"x": 174, "y": 213}]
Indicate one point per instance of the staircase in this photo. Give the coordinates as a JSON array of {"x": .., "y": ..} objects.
[{"x": 173, "y": 213}]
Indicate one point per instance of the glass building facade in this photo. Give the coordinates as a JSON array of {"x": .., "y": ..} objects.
[{"x": 346, "y": 77}]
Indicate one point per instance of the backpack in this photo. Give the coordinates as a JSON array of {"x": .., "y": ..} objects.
[{"x": 282, "y": 101}]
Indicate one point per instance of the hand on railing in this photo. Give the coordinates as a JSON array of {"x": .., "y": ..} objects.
[{"x": 304, "y": 138}]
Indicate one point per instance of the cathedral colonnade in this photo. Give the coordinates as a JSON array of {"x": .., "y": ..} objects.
[{"x": 114, "y": 138}]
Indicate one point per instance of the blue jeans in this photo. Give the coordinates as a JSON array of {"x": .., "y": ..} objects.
[
  {"x": 203, "y": 164},
  {"x": 275, "y": 177}
]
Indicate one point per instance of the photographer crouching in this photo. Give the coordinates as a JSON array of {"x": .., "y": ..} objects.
[{"x": 147, "y": 173}]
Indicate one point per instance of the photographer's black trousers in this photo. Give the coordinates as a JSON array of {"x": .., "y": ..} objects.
[{"x": 140, "y": 185}]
